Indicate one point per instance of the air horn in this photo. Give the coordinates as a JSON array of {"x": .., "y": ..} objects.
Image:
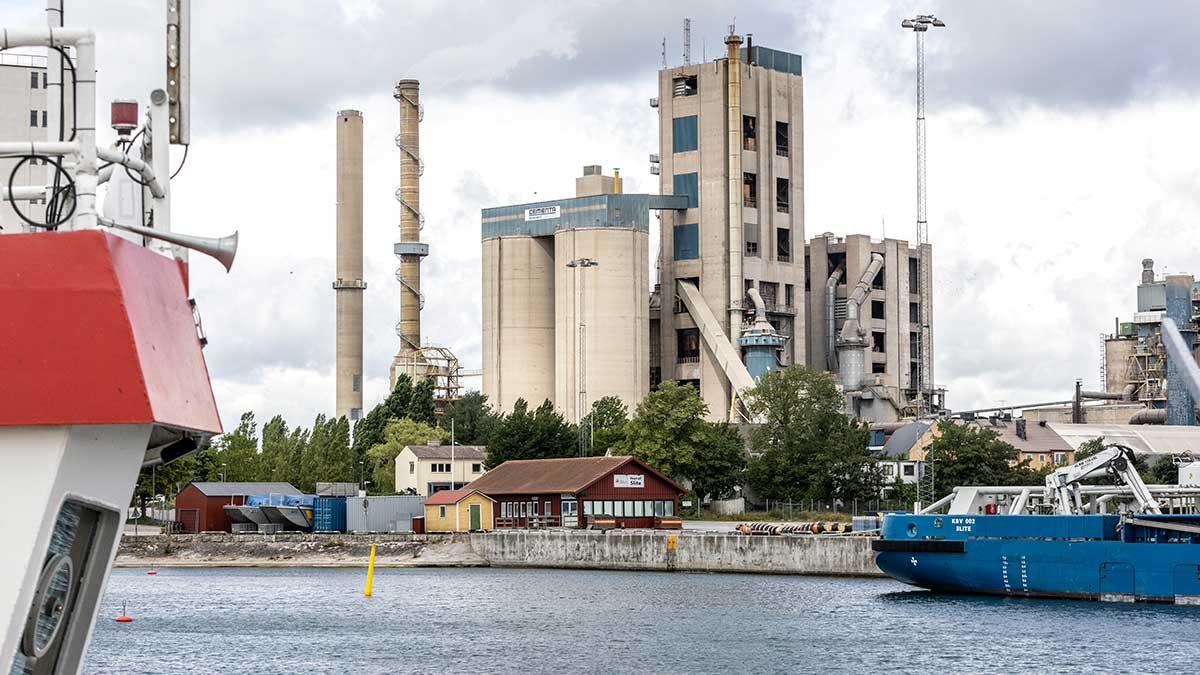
[{"x": 223, "y": 249}]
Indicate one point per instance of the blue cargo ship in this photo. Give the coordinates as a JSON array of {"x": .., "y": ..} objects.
[{"x": 1120, "y": 558}]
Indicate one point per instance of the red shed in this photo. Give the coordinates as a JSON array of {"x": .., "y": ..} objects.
[
  {"x": 200, "y": 507},
  {"x": 548, "y": 492}
]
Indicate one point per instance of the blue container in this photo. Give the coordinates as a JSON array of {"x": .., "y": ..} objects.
[{"x": 329, "y": 514}]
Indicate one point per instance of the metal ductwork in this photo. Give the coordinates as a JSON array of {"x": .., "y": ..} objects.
[
  {"x": 1149, "y": 416},
  {"x": 831, "y": 319},
  {"x": 852, "y": 345},
  {"x": 1125, "y": 394}
]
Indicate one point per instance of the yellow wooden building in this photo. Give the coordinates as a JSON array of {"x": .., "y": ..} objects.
[{"x": 462, "y": 510}]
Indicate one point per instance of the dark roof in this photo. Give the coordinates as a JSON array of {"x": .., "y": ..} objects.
[
  {"x": 230, "y": 489},
  {"x": 443, "y": 451},
  {"x": 542, "y": 476},
  {"x": 1038, "y": 438},
  {"x": 444, "y": 497},
  {"x": 902, "y": 439}
]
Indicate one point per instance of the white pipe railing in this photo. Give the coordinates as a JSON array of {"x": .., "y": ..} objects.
[
  {"x": 55, "y": 148},
  {"x": 145, "y": 170},
  {"x": 84, "y": 42}
]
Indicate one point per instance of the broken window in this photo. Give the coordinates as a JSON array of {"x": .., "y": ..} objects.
[
  {"x": 782, "y": 133},
  {"x": 687, "y": 345},
  {"x": 783, "y": 245},
  {"x": 783, "y": 195},
  {"x": 749, "y": 190},
  {"x": 878, "y": 341},
  {"x": 769, "y": 291},
  {"x": 684, "y": 86},
  {"x": 749, "y": 133}
]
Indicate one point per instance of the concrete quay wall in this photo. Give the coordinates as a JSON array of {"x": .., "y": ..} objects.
[{"x": 678, "y": 551}]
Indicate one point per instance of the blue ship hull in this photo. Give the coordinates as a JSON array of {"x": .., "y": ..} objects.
[{"x": 1150, "y": 559}]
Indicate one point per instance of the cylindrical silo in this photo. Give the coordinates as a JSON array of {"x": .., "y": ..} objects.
[
  {"x": 349, "y": 284},
  {"x": 602, "y": 330},
  {"x": 518, "y": 320}
]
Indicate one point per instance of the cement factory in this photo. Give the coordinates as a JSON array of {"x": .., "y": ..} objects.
[
  {"x": 569, "y": 311},
  {"x": 577, "y": 305}
]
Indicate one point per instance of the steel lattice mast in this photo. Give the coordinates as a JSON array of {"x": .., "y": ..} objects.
[{"x": 924, "y": 385}]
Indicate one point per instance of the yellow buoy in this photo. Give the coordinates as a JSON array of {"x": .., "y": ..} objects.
[{"x": 370, "y": 573}]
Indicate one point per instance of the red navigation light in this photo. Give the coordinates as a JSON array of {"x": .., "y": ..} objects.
[{"x": 124, "y": 116}]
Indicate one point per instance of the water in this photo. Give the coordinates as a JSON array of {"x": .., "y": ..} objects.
[{"x": 315, "y": 621}]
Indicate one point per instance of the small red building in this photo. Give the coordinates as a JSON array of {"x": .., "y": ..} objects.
[
  {"x": 550, "y": 492},
  {"x": 200, "y": 507}
]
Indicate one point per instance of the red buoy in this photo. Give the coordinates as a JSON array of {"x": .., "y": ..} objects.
[
  {"x": 151, "y": 572},
  {"x": 123, "y": 617}
]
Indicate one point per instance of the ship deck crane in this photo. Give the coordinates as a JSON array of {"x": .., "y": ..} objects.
[{"x": 1062, "y": 486}]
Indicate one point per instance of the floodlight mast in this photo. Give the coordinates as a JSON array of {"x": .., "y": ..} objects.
[{"x": 919, "y": 25}]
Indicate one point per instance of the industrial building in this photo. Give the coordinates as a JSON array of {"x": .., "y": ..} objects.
[
  {"x": 200, "y": 506},
  {"x": 349, "y": 285},
  {"x": 870, "y": 337},
  {"x": 565, "y": 289},
  {"x": 563, "y": 492},
  {"x": 24, "y": 116},
  {"x": 731, "y": 140},
  {"x": 426, "y": 469}
]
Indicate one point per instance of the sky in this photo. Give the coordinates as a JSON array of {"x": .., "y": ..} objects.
[{"x": 1062, "y": 145}]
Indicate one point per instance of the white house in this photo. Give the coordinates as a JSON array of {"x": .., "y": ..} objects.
[{"x": 426, "y": 469}]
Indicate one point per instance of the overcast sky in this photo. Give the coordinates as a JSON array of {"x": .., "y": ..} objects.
[{"x": 1063, "y": 145}]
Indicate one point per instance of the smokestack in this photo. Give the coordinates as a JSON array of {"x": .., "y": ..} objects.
[
  {"x": 733, "y": 165},
  {"x": 349, "y": 285},
  {"x": 1148, "y": 270},
  {"x": 410, "y": 250}
]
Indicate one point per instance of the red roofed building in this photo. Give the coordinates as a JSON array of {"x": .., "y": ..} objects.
[{"x": 550, "y": 492}]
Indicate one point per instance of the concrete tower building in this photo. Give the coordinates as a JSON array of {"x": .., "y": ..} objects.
[
  {"x": 731, "y": 140},
  {"x": 410, "y": 250},
  {"x": 23, "y": 116},
  {"x": 349, "y": 286},
  {"x": 876, "y": 358}
]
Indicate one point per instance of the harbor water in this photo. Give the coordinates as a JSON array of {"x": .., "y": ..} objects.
[{"x": 488, "y": 620}]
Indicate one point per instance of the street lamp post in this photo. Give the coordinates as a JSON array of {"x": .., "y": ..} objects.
[{"x": 581, "y": 366}]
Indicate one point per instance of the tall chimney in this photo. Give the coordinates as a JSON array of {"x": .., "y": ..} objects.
[
  {"x": 349, "y": 285},
  {"x": 409, "y": 250}
]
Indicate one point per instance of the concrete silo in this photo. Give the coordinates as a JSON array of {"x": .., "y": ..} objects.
[{"x": 518, "y": 318}]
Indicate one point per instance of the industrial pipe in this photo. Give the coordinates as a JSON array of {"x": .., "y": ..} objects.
[
  {"x": 733, "y": 166},
  {"x": 831, "y": 318},
  {"x": 851, "y": 345},
  {"x": 1149, "y": 416},
  {"x": 143, "y": 169},
  {"x": 760, "y": 307},
  {"x": 1125, "y": 394}
]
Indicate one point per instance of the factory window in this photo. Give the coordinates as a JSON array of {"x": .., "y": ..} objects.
[
  {"x": 878, "y": 282},
  {"x": 749, "y": 133},
  {"x": 33, "y": 118},
  {"x": 33, "y": 80},
  {"x": 913, "y": 376},
  {"x": 783, "y": 195},
  {"x": 477, "y": 468},
  {"x": 807, "y": 274},
  {"x": 789, "y": 300},
  {"x": 877, "y": 309},
  {"x": 749, "y": 190},
  {"x": 684, "y": 137},
  {"x": 679, "y": 306},
  {"x": 878, "y": 341},
  {"x": 914, "y": 314},
  {"x": 781, "y": 138},
  {"x": 750, "y": 231},
  {"x": 878, "y": 368},
  {"x": 914, "y": 275},
  {"x": 687, "y": 345},
  {"x": 769, "y": 291},
  {"x": 686, "y": 238},
  {"x": 684, "y": 86},
  {"x": 688, "y": 185},
  {"x": 783, "y": 245}
]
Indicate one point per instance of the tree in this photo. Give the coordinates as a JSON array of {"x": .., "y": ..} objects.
[
  {"x": 397, "y": 401},
  {"x": 966, "y": 455},
  {"x": 522, "y": 434},
  {"x": 808, "y": 449},
  {"x": 398, "y": 434},
  {"x": 368, "y": 431},
  {"x": 276, "y": 454},
  {"x": 720, "y": 462},
  {"x": 605, "y": 424},
  {"x": 472, "y": 417},
  {"x": 667, "y": 430},
  {"x": 420, "y": 403},
  {"x": 236, "y": 453}
]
